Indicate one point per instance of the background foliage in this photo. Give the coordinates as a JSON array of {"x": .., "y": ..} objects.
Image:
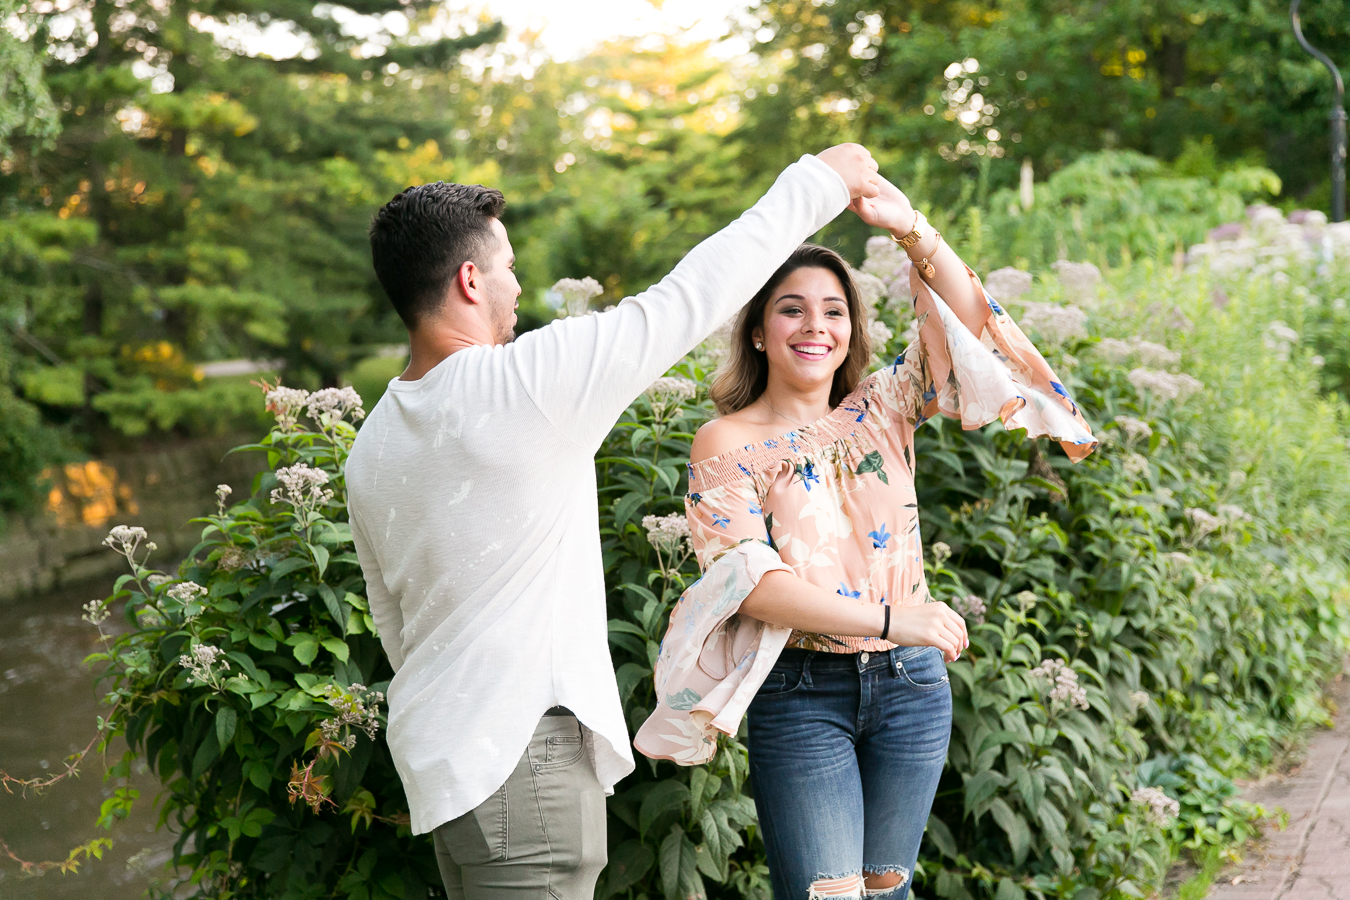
[
  {"x": 1190, "y": 575},
  {"x": 171, "y": 197}
]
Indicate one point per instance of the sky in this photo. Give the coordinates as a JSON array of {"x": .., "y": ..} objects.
[
  {"x": 563, "y": 29},
  {"x": 568, "y": 28}
]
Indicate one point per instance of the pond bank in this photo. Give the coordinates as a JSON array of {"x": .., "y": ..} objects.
[{"x": 159, "y": 489}]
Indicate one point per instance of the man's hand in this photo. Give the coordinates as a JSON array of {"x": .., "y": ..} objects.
[
  {"x": 930, "y": 625},
  {"x": 856, "y": 166},
  {"x": 888, "y": 208}
]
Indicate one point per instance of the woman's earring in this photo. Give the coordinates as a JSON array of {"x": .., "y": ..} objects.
[{"x": 758, "y": 345}]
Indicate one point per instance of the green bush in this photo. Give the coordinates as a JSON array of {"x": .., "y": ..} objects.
[{"x": 1146, "y": 626}]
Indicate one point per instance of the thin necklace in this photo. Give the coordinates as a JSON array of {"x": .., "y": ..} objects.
[{"x": 781, "y": 416}]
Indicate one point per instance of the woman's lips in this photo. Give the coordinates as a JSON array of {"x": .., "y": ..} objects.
[{"x": 823, "y": 351}]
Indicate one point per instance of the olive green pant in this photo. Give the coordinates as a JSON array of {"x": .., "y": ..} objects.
[{"x": 540, "y": 836}]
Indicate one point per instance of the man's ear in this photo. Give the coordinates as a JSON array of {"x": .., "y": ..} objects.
[{"x": 470, "y": 280}]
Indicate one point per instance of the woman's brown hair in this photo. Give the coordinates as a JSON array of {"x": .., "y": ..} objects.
[{"x": 745, "y": 374}]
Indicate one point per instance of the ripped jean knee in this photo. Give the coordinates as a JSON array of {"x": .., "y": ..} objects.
[
  {"x": 839, "y": 887},
  {"x": 883, "y": 881}
]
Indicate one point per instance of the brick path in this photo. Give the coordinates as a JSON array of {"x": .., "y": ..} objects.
[{"x": 1309, "y": 860}]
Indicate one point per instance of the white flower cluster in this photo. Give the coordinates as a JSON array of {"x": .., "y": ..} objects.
[
  {"x": 717, "y": 345},
  {"x": 1147, "y": 352},
  {"x": 1138, "y": 700},
  {"x": 1080, "y": 280},
  {"x": 1164, "y": 385},
  {"x": 970, "y": 607},
  {"x": 95, "y": 612},
  {"x": 1268, "y": 244},
  {"x": 576, "y": 293},
  {"x": 232, "y": 559},
  {"x": 668, "y": 534},
  {"x": 1135, "y": 466},
  {"x": 1134, "y": 428},
  {"x": 222, "y": 492},
  {"x": 1160, "y": 809},
  {"x": 335, "y": 403},
  {"x": 1279, "y": 339},
  {"x": 887, "y": 262},
  {"x": 302, "y": 486},
  {"x": 1203, "y": 523},
  {"x": 205, "y": 664},
  {"x": 125, "y": 538},
  {"x": 285, "y": 403},
  {"x": 881, "y": 335},
  {"x": 1177, "y": 558},
  {"x": 669, "y": 392},
  {"x": 942, "y": 551},
  {"x": 357, "y": 707},
  {"x": 186, "y": 591},
  {"x": 1065, "y": 680},
  {"x": 1007, "y": 283},
  {"x": 1057, "y": 324},
  {"x": 871, "y": 289}
]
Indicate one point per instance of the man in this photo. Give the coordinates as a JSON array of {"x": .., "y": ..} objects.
[{"x": 472, "y": 498}]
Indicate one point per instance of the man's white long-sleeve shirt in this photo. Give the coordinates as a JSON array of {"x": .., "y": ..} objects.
[{"x": 472, "y": 499}]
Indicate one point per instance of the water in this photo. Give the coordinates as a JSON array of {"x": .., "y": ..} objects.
[{"x": 48, "y": 705}]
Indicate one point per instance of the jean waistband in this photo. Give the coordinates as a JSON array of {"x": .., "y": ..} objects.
[{"x": 862, "y": 661}]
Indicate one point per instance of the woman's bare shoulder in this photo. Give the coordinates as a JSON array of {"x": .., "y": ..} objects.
[{"x": 722, "y": 435}]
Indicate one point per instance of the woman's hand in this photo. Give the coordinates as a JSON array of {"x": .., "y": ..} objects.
[
  {"x": 930, "y": 625},
  {"x": 889, "y": 209}
]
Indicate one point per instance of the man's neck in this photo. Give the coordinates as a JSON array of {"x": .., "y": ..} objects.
[{"x": 431, "y": 346}]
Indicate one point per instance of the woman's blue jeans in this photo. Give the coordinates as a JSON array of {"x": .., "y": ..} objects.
[{"x": 846, "y": 750}]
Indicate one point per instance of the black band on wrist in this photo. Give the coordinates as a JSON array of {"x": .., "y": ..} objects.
[{"x": 886, "y": 627}]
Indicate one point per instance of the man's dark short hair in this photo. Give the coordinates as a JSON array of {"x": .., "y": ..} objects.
[{"x": 419, "y": 240}]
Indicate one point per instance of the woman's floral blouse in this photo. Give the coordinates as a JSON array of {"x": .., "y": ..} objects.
[{"x": 836, "y": 498}]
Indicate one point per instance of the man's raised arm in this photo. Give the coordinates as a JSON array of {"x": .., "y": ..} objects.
[{"x": 583, "y": 372}]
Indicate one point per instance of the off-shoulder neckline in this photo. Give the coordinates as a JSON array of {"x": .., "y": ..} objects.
[{"x": 738, "y": 462}]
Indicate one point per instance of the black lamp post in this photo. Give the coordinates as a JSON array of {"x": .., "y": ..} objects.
[{"x": 1337, "y": 120}]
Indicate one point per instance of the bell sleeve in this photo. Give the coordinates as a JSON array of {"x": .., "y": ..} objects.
[
  {"x": 998, "y": 375},
  {"x": 713, "y": 661}
]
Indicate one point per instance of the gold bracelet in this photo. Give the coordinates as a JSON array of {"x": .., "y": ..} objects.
[
  {"x": 924, "y": 265},
  {"x": 915, "y": 234}
]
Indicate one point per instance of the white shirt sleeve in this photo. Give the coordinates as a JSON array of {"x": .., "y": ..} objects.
[
  {"x": 582, "y": 372},
  {"x": 384, "y": 609}
]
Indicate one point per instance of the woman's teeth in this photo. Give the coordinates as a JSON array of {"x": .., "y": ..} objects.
[{"x": 816, "y": 352}]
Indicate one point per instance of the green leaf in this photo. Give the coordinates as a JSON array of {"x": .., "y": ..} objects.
[
  {"x": 286, "y": 567},
  {"x": 1009, "y": 891},
  {"x": 337, "y": 647},
  {"x": 306, "y": 650},
  {"x": 628, "y": 864},
  {"x": 625, "y": 506},
  {"x": 226, "y": 720},
  {"x": 1019, "y": 835},
  {"x": 941, "y": 836},
  {"x": 666, "y": 796},
  {"x": 320, "y": 557},
  {"x": 670, "y": 862}
]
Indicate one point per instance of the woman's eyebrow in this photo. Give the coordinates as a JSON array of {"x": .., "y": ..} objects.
[{"x": 800, "y": 297}]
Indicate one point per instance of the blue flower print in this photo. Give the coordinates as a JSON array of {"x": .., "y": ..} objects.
[
  {"x": 696, "y": 498},
  {"x": 843, "y": 590},
  {"x": 880, "y": 537},
  {"x": 721, "y": 521},
  {"x": 807, "y": 473},
  {"x": 756, "y": 511},
  {"x": 993, "y": 304}
]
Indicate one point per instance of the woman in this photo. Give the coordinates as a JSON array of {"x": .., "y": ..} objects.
[{"x": 848, "y": 732}]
